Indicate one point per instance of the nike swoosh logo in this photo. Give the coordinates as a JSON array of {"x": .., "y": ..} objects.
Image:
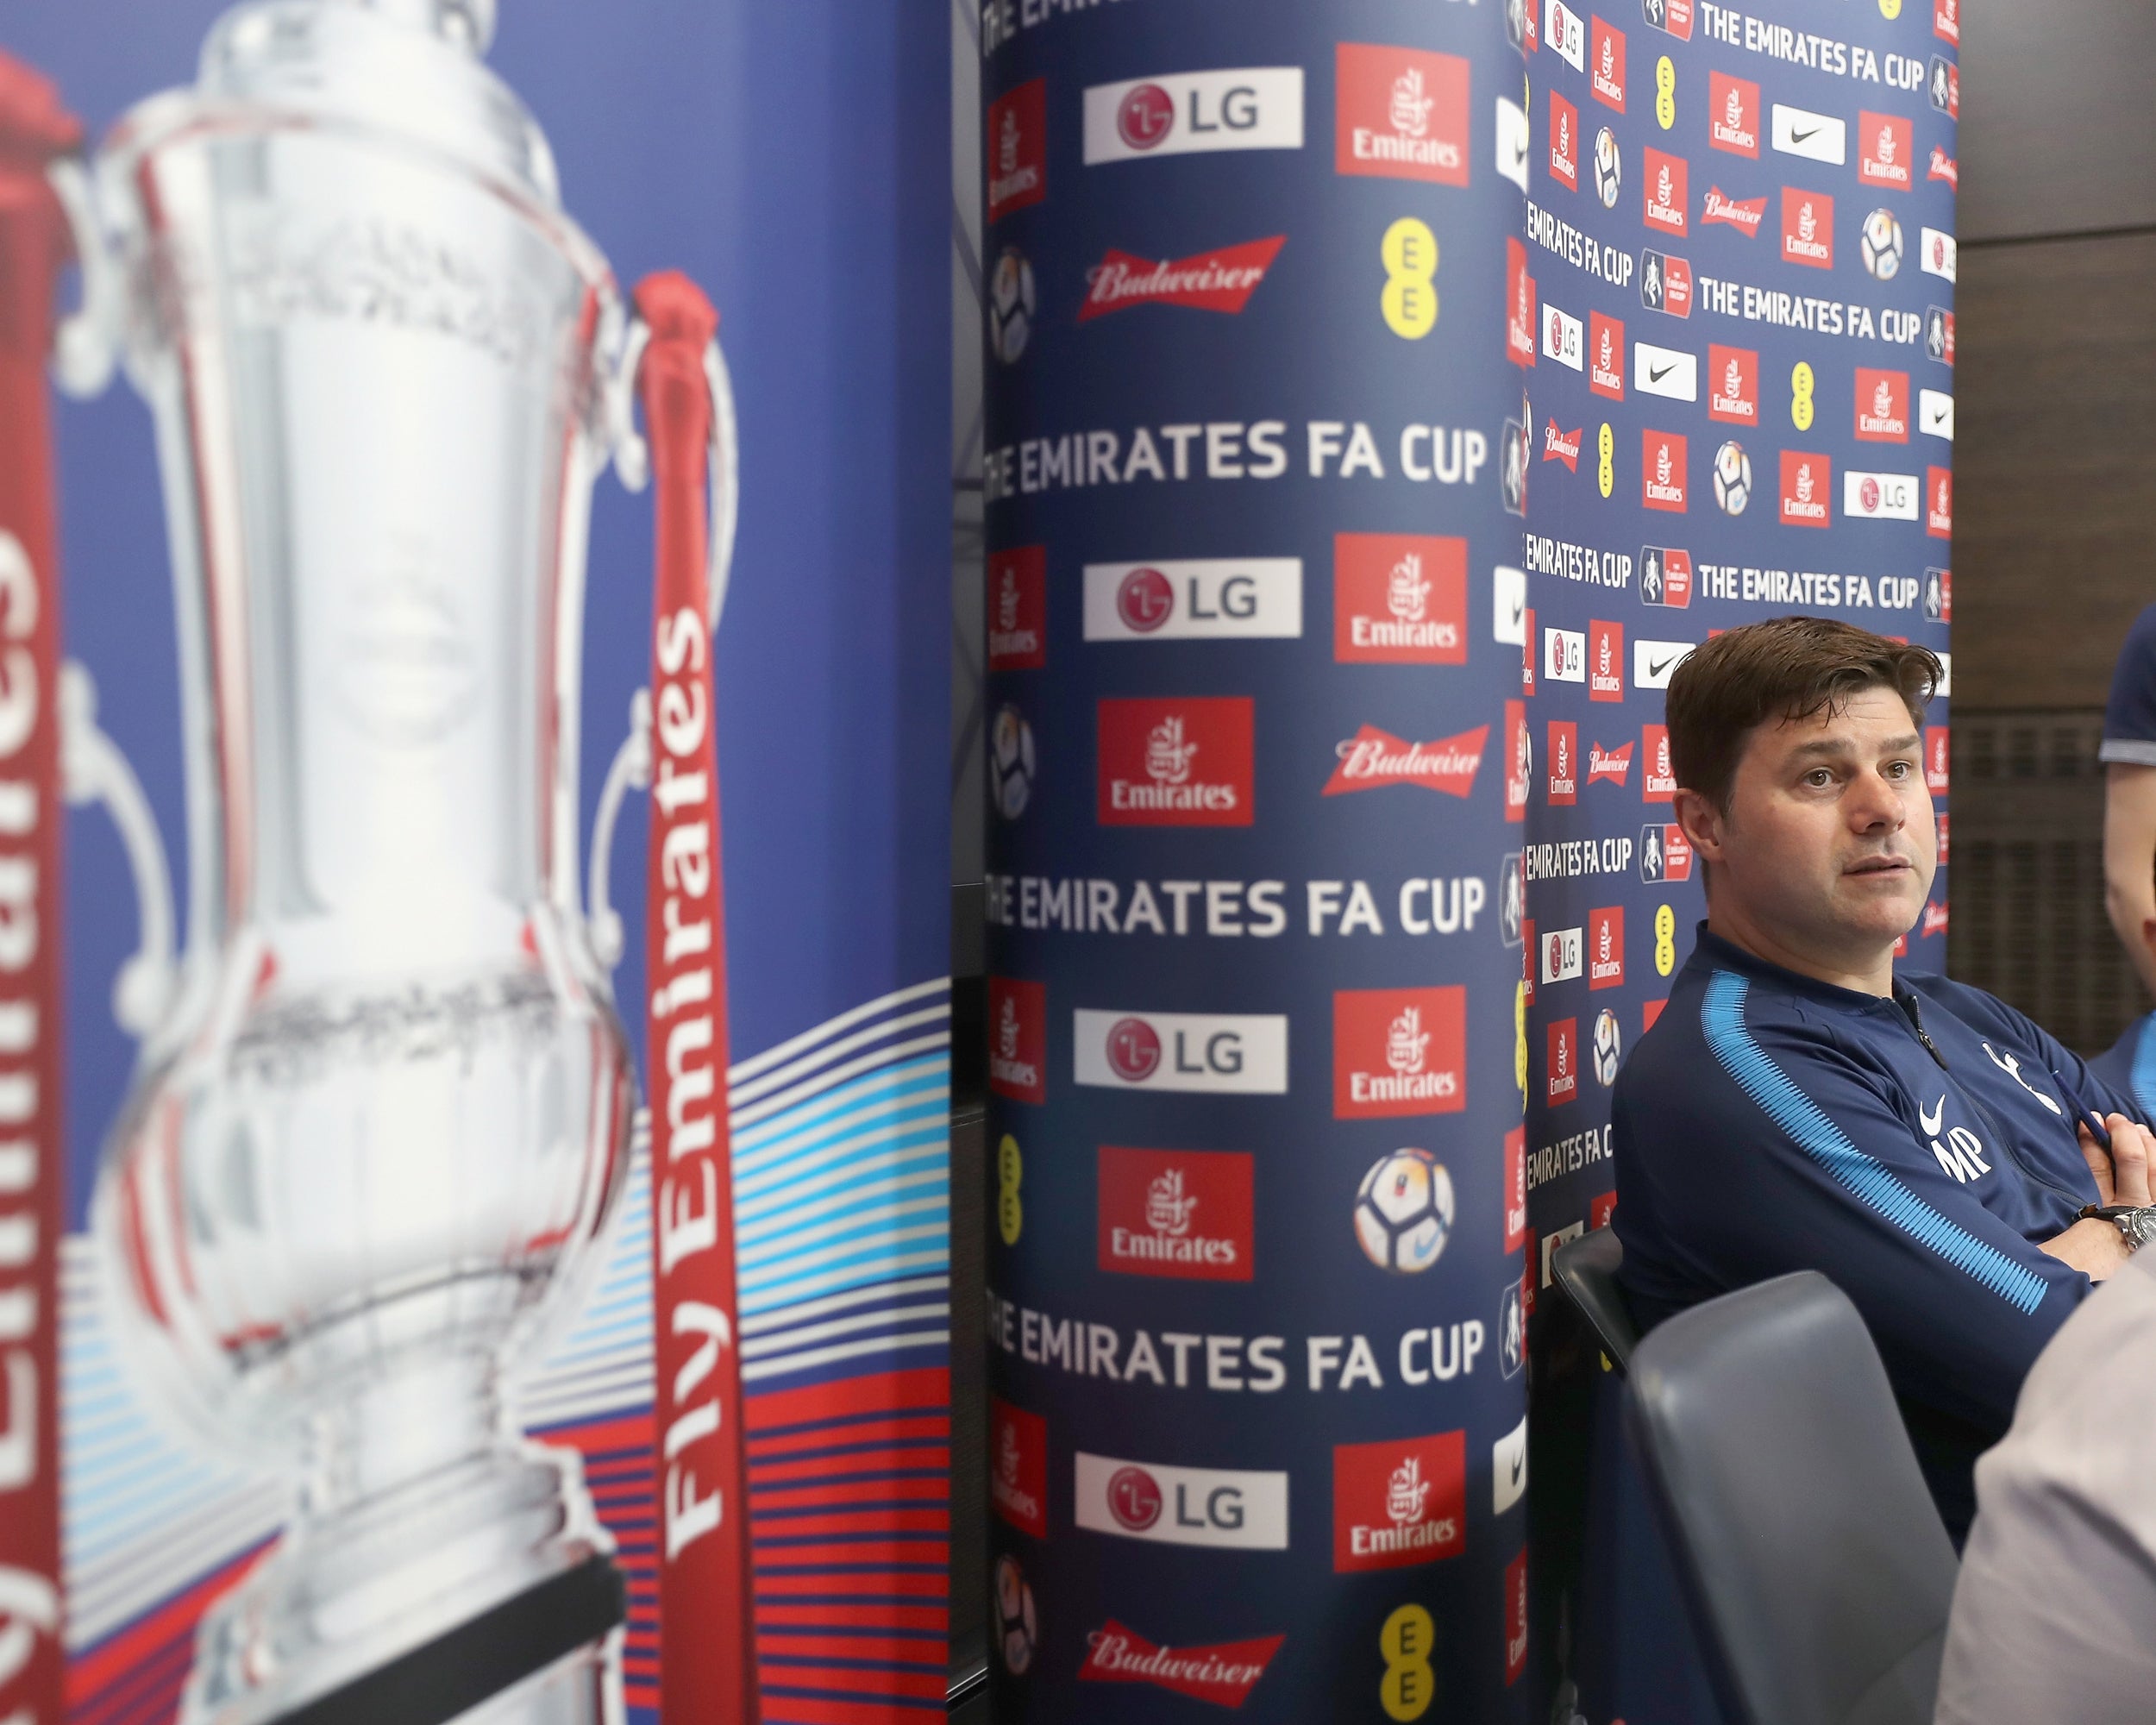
[
  {"x": 1938, "y": 1113},
  {"x": 1797, "y": 137},
  {"x": 1654, "y": 376},
  {"x": 1518, "y": 610},
  {"x": 1519, "y": 153},
  {"x": 1657, "y": 666},
  {"x": 1518, "y": 1467},
  {"x": 1939, "y": 415}
]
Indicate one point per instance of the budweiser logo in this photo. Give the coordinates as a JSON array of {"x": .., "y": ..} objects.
[
  {"x": 1562, "y": 446},
  {"x": 1373, "y": 757},
  {"x": 1934, "y": 918},
  {"x": 1943, "y": 167},
  {"x": 1223, "y": 1673},
  {"x": 1607, "y": 764},
  {"x": 1743, "y": 214},
  {"x": 1221, "y": 280}
]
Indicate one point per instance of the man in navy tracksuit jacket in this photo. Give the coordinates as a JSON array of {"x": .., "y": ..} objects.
[{"x": 1799, "y": 1106}]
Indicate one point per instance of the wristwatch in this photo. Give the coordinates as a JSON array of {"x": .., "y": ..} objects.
[{"x": 2136, "y": 1222}]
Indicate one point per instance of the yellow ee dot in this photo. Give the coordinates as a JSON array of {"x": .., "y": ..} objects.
[
  {"x": 1801, "y": 385},
  {"x": 1890, "y": 9},
  {"x": 1409, "y": 303},
  {"x": 1010, "y": 1171},
  {"x": 1664, "y": 93},
  {"x": 1605, "y": 466},
  {"x": 1406, "y": 1642},
  {"x": 1664, "y": 940}
]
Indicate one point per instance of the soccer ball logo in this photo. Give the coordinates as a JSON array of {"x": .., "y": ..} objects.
[
  {"x": 1010, "y": 305},
  {"x": 1016, "y": 1632},
  {"x": 1733, "y": 478},
  {"x": 1880, "y": 240},
  {"x": 1609, "y": 1046},
  {"x": 1609, "y": 173},
  {"x": 1403, "y": 1213},
  {"x": 1010, "y": 762}
]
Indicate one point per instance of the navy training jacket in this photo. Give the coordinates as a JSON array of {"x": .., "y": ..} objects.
[
  {"x": 1914, "y": 1150},
  {"x": 2129, "y": 1064}
]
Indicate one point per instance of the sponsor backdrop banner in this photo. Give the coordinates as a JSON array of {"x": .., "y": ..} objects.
[
  {"x": 1255, "y": 609},
  {"x": 399, "y": 1368},
  {"x": 1733, "y": 315}
]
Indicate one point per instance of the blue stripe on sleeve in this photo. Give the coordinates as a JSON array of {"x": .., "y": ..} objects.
[{"x": 1864, "y": 1177}]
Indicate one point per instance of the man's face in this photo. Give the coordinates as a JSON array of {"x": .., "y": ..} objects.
[{"x": 1828, "y": 842}]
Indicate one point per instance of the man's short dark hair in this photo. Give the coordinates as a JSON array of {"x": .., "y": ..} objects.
[{"x": 1786, "y": 669}]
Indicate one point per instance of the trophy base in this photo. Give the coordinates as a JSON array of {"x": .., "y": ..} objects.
[{"x": 540, "y": 1658}]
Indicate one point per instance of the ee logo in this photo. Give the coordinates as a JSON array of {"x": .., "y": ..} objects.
[
  {"x": 1665, "y": 88},
  {"x": 1665, "y": 943},
  {"x": 1410, "y": 1685},
  {"x": 1410, "y": 300},
  {"x": 1800, "y": 396},
  {"x": 1009, "y": 1170},
  {"x": 1890, "y": 9},
  {"x": 1605, "y": 447},
  {"x": 1520, "y": 1037}
]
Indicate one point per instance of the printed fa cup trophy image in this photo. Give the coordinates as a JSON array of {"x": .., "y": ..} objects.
[{"x": 382, "y": 1117}]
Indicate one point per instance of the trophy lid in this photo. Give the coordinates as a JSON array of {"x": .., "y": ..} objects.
[{"x": 408, "y": 70}]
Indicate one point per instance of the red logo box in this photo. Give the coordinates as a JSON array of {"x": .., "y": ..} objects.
[
  {"x": 1605, "y": 661},
  {"x": 1222, "y": 1674},
  {"x": 1398, "y": 1051},
  {"x": 1017, "y": 143},
  {"x": 1946, "y": 329},
  {"x": 1607, "y": 765},
  {"x": 1806, "y": 486},
  {"x": 1565, "y": 142},
  {"x": 1518, "y": 751},
  {"x": 1018, "y": 1039},
  {"x": 1375, "y": 760},
  {"x": 1886, "y": 150},
  {"x": 1677, "y": 285},
  {"x": 1564, "y": 763},
  {"x": 1937, "y": 742},
  {"x": 1946, "y": 20},
  {"x": 1402, "y": 114},
  {"x": 1606, "y": 356},
  {"x": 1606, "y": 64},
  {"x": 1663, "y": 192},
  {"x": 1017, "y": 609},
  {"x": 1185, "y": 762},
  {"x": 1527, "y": 959},
  {"x": 1661, "y": 469},
  {"x": 1732, "y": 114},
  {"x": 1677, "y": 853},
  {"x": 1942, "y": 820},
  {"x": 1732, "y": 384},
  {"x": 1516, "y": 1618},
  {"x": 1939, "y": 503},
  {"x": 1399, "y": 599},
  {"x": 1184, "y": 1214},
  {"x": 1882, "y": 406},
  {"x": 1018, "y": 1467},
  {"x": 1744, "y": 214},
  {"x": 1516, "y": 1183},
  {"x": 1606, "y": 948},
  {"x": 1396, "y": 1505},
  {"x": 1649, "y": 1012},
  {"x": 1657, "y": 781},
  {"x": 1808, "y": 228},
  {"x": 1665, "y": 577},
  {"x": 1562, "y": 1072},
  {"x": 1599, "y": 1209},
  {"x": 1519, "y": 295}
]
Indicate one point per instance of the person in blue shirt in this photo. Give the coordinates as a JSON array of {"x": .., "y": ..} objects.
[
  {"x": 2128, "y": 753},
  {"x": 1798, "y": 1105}
]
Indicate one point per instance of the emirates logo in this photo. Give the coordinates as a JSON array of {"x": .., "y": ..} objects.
[
  {"x": 1606, "y": 356},
  {"x": 1885, "y": 151},
  {"x": 1167, "y": 1210},
  {"x": 1406, "y": 1494},
  {"x": 1662, "y": 464},
  {"x": 1732, "y": 380},
  {"x": 1807, "y": 224},
  {"x": 1883, "y": 400},
  {"x": 1804, "y": 482},
  {"x": 1565, "y": 135},
  {"x": 1601, "y": 655},
  {"x": 1410, "y": 110},
  {"x": 1407, "y": 594},
  {"x": 1941, "y": 504},
  {"x": 1663, "y": 186},
  {"x": 1562, "y": 765},
  {"x": 1008, "y": 1460},
  {"x": 1609, "y": 58},
  {"x": 1407, "y": 1043},
  {"x": 1168, "y": 756},
  {"x": 1734, "y": 110},
  {"x": 1007, "y": 600},
  {"x": 1602, "y": 944},
  {"x": 1007, "y": 143},
  {"x": 1007, "y": 1029}
]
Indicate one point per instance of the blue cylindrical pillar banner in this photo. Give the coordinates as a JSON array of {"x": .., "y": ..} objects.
[
  {"x": 1258, "y": 1432},
  {"x": 1739, "y": 274}
]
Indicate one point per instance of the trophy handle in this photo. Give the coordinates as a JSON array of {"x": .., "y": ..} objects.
[
  {"x": 632, "y": 458},
  {"x": 93, "y": 770},
  {"x": 631, "y": 771},
  {"x": 86, "y": 345}
]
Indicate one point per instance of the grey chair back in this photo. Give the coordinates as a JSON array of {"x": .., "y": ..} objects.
[
  {"x": 1586, "y": 1269},
  {"x": 1816, "y": 1571}
]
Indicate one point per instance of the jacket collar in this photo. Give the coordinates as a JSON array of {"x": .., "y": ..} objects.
[{"x": 1710, "y": 952}]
